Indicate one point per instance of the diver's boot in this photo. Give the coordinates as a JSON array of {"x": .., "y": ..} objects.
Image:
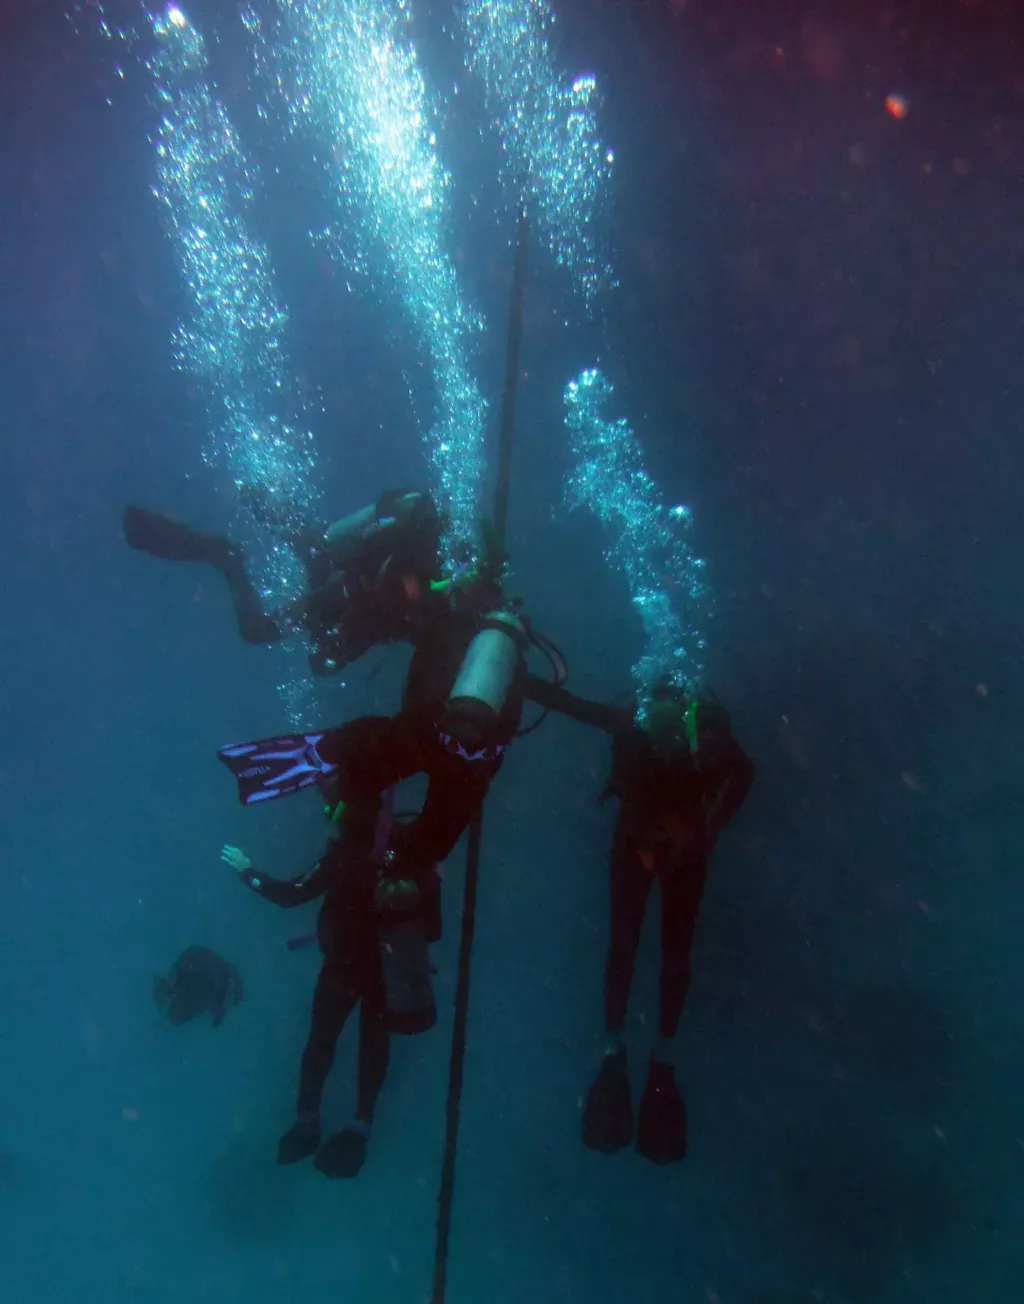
[
  {"x": 608, "y": 1113},
  {"x": 300, "y": 1141},
  {"x": 661, "y": 1127},
  {"x": 343, "y": 1153}
]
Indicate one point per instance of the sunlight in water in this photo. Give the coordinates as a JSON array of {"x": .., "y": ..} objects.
[
  {"x": 233, "y": 343},
  {"x": 356, "y": 83}
]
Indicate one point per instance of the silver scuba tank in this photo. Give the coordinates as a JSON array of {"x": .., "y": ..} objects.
[
  {"x": 408, "y": 991},
  {"x": 489, "y": 666},
  {"x": 346, "y": 537},
  {"x": 373, "y": 527}
]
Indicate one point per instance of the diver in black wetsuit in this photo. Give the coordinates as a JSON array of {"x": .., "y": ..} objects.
[
  {"x": 457, "y": 720},
  {"x": 369, "y": 955},
  {"x": 461, "y": 705},
  {"x": 368, "y": 575},
  {"x": 679, "y": 778}
]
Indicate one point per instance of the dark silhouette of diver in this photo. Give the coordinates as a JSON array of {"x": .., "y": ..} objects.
[
  {"x": 679, "y": 777},
  {"x": 461, "y": 705},
  {"x": 369, "y": 575},
  {"x": 374, "y": 956}
]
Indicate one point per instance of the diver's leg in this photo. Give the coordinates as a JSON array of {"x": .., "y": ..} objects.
[
  {"x": 160, "y": 536},
  {"x": 608, "y": 1113},
  {"x": 629, "y": 884},
  {"x": 333, "y": 1001},
  {"x": 371, "y": 754},
  {"x": 376, "y": 752},
  {"x": 682, "y": 887},
  {"x": 254, "y": 625},
  {"x": 343, "y": 1154},
  {"x": 456, "y": 789},
  {"x": 661, "y": 1124},
  {"x": 374, "y": 1046}
]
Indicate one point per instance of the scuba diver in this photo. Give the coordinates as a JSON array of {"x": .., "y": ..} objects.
[
  {"x": 373, "y": 956},
  {"x": 369, "y": 574},
  {"x": 461, "y": 705},
  {"x": 679, "y": 777}
]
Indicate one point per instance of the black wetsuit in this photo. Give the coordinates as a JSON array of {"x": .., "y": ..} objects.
[
  {"x": 375, "y": 752},
  {"x": 369, "y": 590},
  {"x": 347, "y": 931},
  {"x": 351, "y": 972},
  {"x": 368, "y": 575},
  {"x": 670, "y": 813}
]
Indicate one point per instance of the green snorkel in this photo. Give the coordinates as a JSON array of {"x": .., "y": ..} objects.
[
  {"x": 691, "y": 726},
  {"x": 488, "y": 569}
]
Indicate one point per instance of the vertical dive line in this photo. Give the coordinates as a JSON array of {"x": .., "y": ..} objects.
[
  {"x": 456, "y": 1071},
  {"x": 458, "y": 1062}
]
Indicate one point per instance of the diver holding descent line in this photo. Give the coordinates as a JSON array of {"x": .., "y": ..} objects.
[{"x": 461, "y": 706}]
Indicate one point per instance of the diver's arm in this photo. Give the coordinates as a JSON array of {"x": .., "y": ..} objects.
[
  {"x": 282, "y": 892},
  {"x": 726, "y": 770},
  {"x": 286, "y": 893},
  {"x": 598, "y": 715},
  {"x": 728, "y": 790}
]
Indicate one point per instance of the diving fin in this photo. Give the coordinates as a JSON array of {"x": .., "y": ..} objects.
[
  {"x": 160, "y": 536},
  {"x": 300, "y": 1141},
  {"x": 661, "y": 1127},
  {"x": 608, "y": 1114},
  {"x": 275, "y": 767},
  {"x": 343, "y": 1153}
]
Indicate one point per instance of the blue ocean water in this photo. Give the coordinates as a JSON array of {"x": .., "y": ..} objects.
[{"x": 816, "y": 336}]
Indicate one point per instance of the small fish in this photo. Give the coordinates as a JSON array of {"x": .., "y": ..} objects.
[{"x": 199, "y": 980}]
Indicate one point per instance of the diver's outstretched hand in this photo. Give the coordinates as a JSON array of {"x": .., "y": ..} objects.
[{"x": 236, "y": 858}]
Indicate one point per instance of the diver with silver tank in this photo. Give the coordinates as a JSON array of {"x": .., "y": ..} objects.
[{"x": 461, "y": 706}]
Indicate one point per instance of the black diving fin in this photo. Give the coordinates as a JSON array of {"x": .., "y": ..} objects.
[{"x": 160, "y": 536}]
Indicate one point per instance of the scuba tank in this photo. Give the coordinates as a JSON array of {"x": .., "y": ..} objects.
[
  {"x": 364, "y": 539},
  {"x": 409, "y": 1005},
  {"x": 347, "y": 538},
  {"x": 484, "y": 680},
  {"x": 375, "y": 560}
]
